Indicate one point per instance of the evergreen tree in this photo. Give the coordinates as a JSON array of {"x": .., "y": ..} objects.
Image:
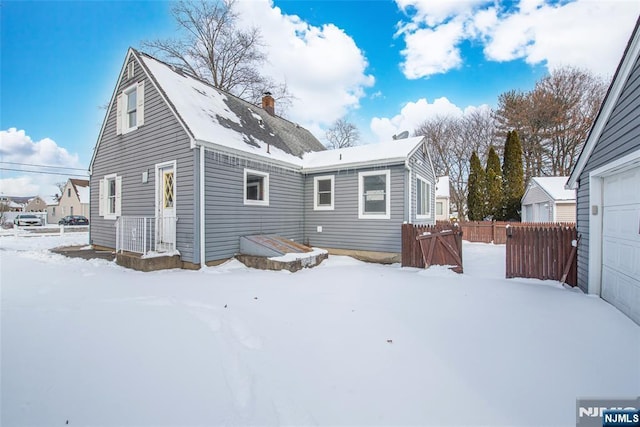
[
  {"x": 494, "y": 185},
  {"x": 512, "y": 177},
  {"x": 476, "y": 186}
]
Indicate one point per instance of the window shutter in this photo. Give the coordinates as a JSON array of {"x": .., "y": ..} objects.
[
  {"x": 119, "y": 115},
  {"x": 101, "y": 196},
  {"x": 118, "y": 195},
  {"x": 140, "y": 106}
]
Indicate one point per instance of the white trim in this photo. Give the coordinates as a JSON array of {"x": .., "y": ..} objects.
[
  {"x": 596, "y": 178},
  {"x": 620, "y": 79},
  {"x": 361, "y": 205},
  {"x": 158, "y": 166},
  {"x": 107, "y": 214},
  {"x": 202, "y": 217},
  {"x": 429, "y": 186},
  {"x": 125, "y": 108},
  {"x": 316, "y": 205},
  {"x": 265, "y": 199}
]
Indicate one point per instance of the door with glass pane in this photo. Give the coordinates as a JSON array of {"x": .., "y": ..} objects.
[{"x": 166, "y": 212}]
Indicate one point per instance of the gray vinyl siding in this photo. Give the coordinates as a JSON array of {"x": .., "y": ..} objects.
[
  {"x": 420, "y": 165},
  {"x": 160, "y": 139},
  {"x": 620, "y": 137},
  {"x": 228, "y": 218},
  {"x": 341, "y": 227}
]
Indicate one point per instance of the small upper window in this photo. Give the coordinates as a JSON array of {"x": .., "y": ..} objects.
[
  {"x": 423, "y": 198},
  {"x": 374, "y": 195},
  {"x": 323, "y": 192},
  {"x": 130, "y": 70},
  {"x": 130, "y": 109},
  {"x": 256, "y": 188},
  {"x": 68, "y": 192}
]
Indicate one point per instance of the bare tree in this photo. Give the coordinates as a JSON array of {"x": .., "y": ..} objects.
[
  {"x": 342, "y": 134},
  {"x": 452, "y": 141},
  {"x": 553, "y": 119},
  {"x": 212, "y": 47}
]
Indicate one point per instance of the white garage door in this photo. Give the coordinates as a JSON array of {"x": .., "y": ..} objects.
[{"x": 621, "y": 242}]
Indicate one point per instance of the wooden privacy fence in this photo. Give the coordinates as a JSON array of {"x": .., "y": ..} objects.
[
  {"x": 424, "y": 245},
  {"x": 542, "y": 252},
  {"x": 492, "y": 231}
]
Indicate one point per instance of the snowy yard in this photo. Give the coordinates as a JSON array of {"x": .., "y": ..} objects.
[{"x": 346, "y": 343}]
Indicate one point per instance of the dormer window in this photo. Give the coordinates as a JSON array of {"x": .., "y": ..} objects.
[{"x": 130, "y": 109}]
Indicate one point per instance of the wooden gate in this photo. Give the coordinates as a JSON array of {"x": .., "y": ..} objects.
[
  {"x": 444, "y": 241},
  {"x": 442, "y": 248},
  {"x": 547, "y": 253}
]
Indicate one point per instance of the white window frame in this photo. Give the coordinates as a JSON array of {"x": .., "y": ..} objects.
[
  {"x": 265, "y": 200},
  {"x": 122, "y": 114},
  {"x": 427, "y": 184},
  {"x": 104, "y": 206},
  {"x": 316, "y": 195},
  {"x": 361, "y": 205}
]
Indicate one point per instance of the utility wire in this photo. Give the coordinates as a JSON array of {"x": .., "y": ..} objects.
[
  {"x": 43, "y": 172},
  {"x": 42, "y": 166}
]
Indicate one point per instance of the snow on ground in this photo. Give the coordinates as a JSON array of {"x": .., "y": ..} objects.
[{"x": 345, "y": 343}]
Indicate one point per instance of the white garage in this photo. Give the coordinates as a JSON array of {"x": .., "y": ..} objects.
[{"x": 621, "y": 241}]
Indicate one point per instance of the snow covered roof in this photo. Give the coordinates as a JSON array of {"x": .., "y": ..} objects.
[
  {"x": 215, "y": 117},
  {"x": 442, "y": 187},
  {"x": 384, "y": 152},
  {"x": 82, "y": 189},
  {"x": 554, "y": 186},
  {"x": 50, "y": 200}
]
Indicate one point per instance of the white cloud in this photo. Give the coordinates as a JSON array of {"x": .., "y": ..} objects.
[
  {"x": 584, "y": 33},
  {"x": 323, "y": 67},
  {"x": 413, "y": 114},
  {"x": 17, "y": 150},
  {"x": 441, "y": 55}
]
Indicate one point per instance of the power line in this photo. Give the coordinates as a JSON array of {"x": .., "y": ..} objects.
[
  {"x": 43, "y": 172},
  {"x": 42, "y": 166}
]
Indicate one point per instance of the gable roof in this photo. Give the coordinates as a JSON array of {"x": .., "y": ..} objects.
[
  {"x": 213, "y": 116},
  {"x": 625, "y": 67},
  {"x": 81, "y": 187},
  {"x": 362, "y": 155},
  {"x": 554, "y": 186}
]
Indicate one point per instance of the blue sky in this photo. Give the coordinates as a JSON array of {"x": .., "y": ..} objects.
[{"x": 384, "y": 65}]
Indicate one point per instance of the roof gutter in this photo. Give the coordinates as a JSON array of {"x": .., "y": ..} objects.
[
  {"x": 353, "y": 165},
  {"x": 248, "y": 155}
]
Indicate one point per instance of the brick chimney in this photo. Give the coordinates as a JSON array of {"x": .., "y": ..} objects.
[{"x": 268, "y": 103}]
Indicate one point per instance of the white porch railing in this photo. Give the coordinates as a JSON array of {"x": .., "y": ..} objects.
[{"x": 145, "y": 235}]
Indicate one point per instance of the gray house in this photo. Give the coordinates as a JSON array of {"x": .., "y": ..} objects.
[
  {"x": 181, "y": 167},
  {"x": 607, "y": 179}
]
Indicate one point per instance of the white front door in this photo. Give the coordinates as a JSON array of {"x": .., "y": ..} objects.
[
  {"x": 621, "y": 242},
  {"x": 165, "y": 208}
]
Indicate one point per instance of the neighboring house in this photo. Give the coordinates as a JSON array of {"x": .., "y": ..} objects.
[
  {"x": 546, "y": 200},
  {"x": 35, "y": 204},
  {"x": 607, "y": 179},
  {"x": 74, "y": 200},
  {"x": 52, "y": 209},
  {"x": 203, "y": 168},
  {"x": 442, "y": 199}
]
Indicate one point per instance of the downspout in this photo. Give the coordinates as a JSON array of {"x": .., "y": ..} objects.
[
  {"x": 202, "y": 219},
  {"x": 408, "y": 189}
]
